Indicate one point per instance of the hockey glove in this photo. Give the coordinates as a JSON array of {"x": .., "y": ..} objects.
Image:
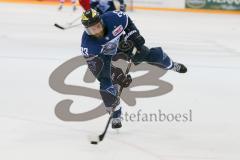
[
  {"x": 126, "y": 48},
  {"x": 136, "y": 38},
  {"x": 124, "y": 80},
  {"x": 118, "y": 77}
]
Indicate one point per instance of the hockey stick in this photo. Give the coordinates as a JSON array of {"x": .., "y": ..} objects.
[
  {"x": 95, "y": 140},
  {"x": 66, "y": 27},
  {"x": 69, "y": 25},
  {"x": 75, "y": 20}
]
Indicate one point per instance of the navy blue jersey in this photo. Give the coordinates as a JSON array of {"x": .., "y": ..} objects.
[
  {"x": 104, "y": 48},
  {"x": 115, "y": 23}
]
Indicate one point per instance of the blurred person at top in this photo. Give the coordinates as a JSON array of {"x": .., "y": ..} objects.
[
  {"x": 74, "y": 4},
  {"x": 102, "y": 6}
]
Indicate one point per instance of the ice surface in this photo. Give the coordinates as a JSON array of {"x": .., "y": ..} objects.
[{"x": 31, "y": 49}]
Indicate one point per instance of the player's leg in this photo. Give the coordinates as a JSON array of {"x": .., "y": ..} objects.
[
  {"x": 109, "y": 97},
  {"x": 118, "y": 79},
  {"x": 158, "y": 57},
  {"x": 154, "y": 56},
  {"x": 109, "y": 93},
  {"x": 74, "y": 3},
  {"x": 116, "y": 120},
  {"x": 61, "y": 4},
  {"x": 112, "y": 104}
]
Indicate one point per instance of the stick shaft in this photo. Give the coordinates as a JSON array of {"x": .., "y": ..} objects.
[
  {"x": 119, "y": 94},
  {"x": 66, "y": 27}
]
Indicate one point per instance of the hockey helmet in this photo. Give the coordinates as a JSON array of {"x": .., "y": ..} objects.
[{"x": 90, "y": 19}]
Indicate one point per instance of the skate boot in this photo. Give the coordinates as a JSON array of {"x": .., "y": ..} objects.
[
  {"x": 178, "y": 67},
  {"x": 116, "y": 123}
]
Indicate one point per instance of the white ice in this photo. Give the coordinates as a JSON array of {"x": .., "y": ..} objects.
[{"x": 31, "y": 49}]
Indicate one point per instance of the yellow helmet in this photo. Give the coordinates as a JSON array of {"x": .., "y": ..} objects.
[{"x": 90, "y": 17}]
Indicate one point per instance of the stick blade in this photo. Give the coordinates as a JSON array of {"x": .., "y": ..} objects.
[{"x": 58, "y": 26}]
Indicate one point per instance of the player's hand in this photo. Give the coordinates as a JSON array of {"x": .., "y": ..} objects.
[
  {"x": 118, "y": 77},
  {"x": 124, "y": 80},
  {"x": 126, "y": 47},
  {"x": 137, "y": 39},
  {"x": 134, "y": 36}
]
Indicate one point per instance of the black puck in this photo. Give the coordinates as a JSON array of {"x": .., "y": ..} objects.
[{"x": 93, "y": 142}]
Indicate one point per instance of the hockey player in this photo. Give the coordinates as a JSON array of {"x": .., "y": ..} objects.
[
  {"x": 102, "y": 41},
  {"x": 102, "y": 6},
  {"x": 74, "y": 3}
]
